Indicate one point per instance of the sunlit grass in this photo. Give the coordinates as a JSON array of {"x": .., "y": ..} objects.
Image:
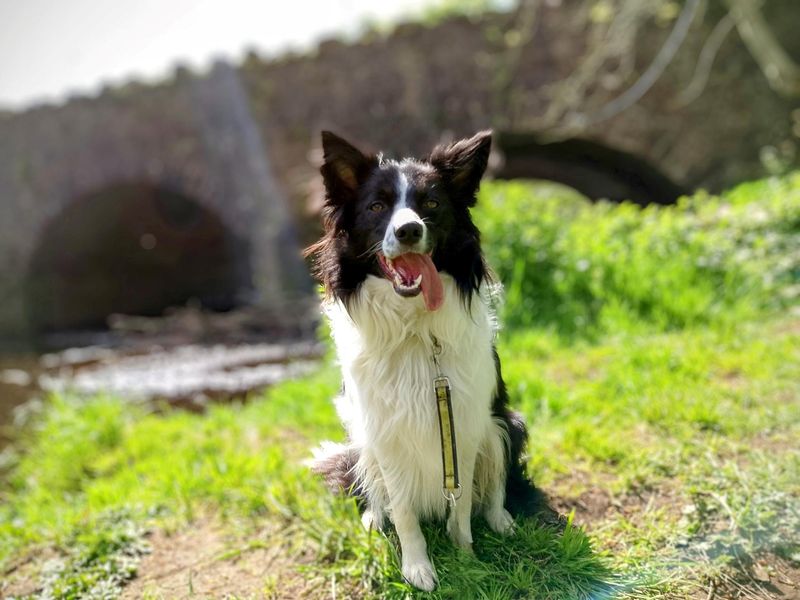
[
  {"x": 591, "y": 270},
  {"x": 661, "y": 395}
]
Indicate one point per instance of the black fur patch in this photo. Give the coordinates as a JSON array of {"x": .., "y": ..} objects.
[
  {"x": 523, "y": 498},
  {"x": 338, "y": 470}
]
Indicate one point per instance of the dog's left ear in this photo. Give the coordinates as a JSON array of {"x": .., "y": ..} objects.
[{"x": 463, "y": 163}]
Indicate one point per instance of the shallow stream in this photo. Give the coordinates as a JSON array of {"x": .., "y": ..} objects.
[{"x": 140, "y": 370}]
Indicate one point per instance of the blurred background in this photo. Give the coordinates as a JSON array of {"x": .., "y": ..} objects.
[
  {"x": 163, "y": 369},
  {"x": 158, "y": 161}
]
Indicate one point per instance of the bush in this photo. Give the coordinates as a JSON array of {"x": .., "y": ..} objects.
[{"x": 585, "y": 269}]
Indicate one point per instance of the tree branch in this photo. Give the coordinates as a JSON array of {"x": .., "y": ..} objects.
[
  {"x": 704, "y": 63},
  {"x": 662, "y": 60},
  {"x": 781, "y": 71}
]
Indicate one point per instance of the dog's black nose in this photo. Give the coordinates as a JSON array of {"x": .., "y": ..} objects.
[{"x": 409, "y": 233}]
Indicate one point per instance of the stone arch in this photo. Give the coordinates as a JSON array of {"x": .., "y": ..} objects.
[
  {"x": 593, "y": 169},
  {"x": 134, "y": 248}
]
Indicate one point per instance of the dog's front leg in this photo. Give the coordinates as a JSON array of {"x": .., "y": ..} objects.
[
  {"x": 494, "y": 466},
  {"x": 417, "y": 567},
  {"x": 458, "y": 523}
]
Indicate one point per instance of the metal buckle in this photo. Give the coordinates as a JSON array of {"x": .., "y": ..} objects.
[{"x": 450, "y": 495}]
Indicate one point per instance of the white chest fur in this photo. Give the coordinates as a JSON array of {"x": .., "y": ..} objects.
[{"x": 385, "y": 347}]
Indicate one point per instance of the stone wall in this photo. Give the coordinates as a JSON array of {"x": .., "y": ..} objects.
[
  {"x": 243, "y": 142},
  {"x": 193, "y": 136},
  {"x": 407, "y": 91}
]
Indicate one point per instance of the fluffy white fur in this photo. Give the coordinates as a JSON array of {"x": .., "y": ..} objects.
[{"x": 385, "y": 346}]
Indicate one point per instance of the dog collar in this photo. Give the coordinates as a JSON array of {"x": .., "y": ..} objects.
[{"x": 451, "y": 488}]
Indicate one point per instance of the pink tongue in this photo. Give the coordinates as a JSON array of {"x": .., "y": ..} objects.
[{"x": 412, "y": 265}]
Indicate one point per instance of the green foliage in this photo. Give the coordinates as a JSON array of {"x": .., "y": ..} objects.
[
  {"x": 646, "y": 348},
  {"x": 585, "y": 270},
  {"x": 624, "y": 415},
  {"x": 99, "y": 454},
  {"x": 604, "y": 405},
  {"x": 440, "y": 10}
]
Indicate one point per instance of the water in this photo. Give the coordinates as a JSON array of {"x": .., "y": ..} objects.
[{"x": 187, "y": 374}]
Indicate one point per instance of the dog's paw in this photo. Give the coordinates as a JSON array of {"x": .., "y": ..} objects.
[
  {"x": 373, "y": 519},
  {"x": 461, "y": 538},
  {"x": 463, "y": 541},
  {"x": 421, "y": 575},
  {"x": 500, "y": 521}
]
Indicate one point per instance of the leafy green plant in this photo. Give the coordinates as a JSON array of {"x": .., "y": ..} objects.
[{"x": 584, "y": 269}]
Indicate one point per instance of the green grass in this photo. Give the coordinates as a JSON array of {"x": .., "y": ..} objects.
[
  {"x": 587, "y": 271},
  {"x": 655, "y": 354}
]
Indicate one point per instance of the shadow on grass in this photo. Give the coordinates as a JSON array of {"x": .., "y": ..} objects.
[{"x": 535, "y": 562}]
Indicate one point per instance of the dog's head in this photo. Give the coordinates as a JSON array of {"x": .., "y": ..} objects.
[{"x": 404, "y": 220}]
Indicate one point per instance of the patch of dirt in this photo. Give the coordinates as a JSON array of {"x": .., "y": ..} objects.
[
  {"x": 775, "y": 443},
  {"x": 768, "y": 578},
  {"x": 206, "y": 561},
  {"x": 589, "y": 506},
  {"x": 787, "y": 327},
  {"x": 22, "y": 577},
  {"x": 596, "y": 503},
  {"x": 593, "y": 503},
  {"x": 732, "y": 379}
]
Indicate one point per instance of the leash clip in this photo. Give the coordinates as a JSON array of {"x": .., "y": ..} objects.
[{"x": 450, "y": 495}]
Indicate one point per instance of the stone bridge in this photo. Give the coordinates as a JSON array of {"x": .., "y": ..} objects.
[{"x": 201, "y": 186}]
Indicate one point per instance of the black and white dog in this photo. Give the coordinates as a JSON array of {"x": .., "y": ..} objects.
[{"x": 401, "y": 263}]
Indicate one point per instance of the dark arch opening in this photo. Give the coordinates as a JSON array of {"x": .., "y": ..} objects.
[
  {"x": 594, "y": 170},
  {"x": 133, "y": 249}
]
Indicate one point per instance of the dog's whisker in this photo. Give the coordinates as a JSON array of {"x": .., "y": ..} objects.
[{"x": 371, "y": 250}]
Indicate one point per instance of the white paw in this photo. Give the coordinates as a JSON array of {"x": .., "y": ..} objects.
[
  {"x": 461, "y": 538},
  {"x": 500, "y": 521},
  {"x": 372, "y": 519},
  {"x": 421, "y": 575}
]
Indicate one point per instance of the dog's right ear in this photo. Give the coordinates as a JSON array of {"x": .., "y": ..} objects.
[{"x": 345, "y": 167}]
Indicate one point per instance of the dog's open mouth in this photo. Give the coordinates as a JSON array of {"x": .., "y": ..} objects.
[{"x": 413, "y": 273}]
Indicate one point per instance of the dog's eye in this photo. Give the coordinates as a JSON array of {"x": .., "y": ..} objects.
[
  {"x": 377, "y": 206},
  {"x": 430, "y": 204}
]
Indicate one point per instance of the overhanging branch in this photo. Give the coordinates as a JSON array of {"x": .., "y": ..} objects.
[{"x": 780, "y": 70}]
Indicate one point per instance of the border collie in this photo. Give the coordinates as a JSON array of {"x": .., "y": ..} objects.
[{"x": 409, "y": 298}]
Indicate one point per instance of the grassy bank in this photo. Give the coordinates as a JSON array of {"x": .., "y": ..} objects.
[{"x": 654, "y": 352}]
